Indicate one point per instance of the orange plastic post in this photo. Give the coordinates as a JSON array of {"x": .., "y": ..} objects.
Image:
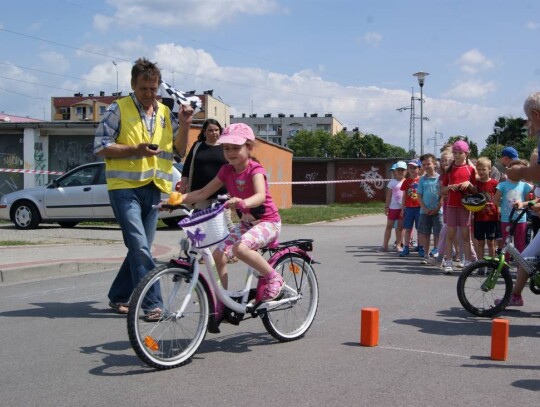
[
  {"x": 369, "y": 331},
  {"x": 500, "y": 330}
]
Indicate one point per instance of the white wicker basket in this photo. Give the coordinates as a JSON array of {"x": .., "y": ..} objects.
[{"x": 206, "y": 228}]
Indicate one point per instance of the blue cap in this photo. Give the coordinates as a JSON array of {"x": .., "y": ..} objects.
[
  {"x": 393, "y": 167},
  {"x": 509, "y": 152},
  {"x": 401, "y": 164},
  {"x": 414, "y": 162}
]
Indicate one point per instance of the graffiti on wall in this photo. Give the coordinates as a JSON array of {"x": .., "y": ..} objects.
[
  {"x": 40, "y": 163},
  {"x": 11, "y": 156},
  {"x": 67, "y": 153},
  {"x": 370, "y": 181},
  {"x": 373, "y": 180}
]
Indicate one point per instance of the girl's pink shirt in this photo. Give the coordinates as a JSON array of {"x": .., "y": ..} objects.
[{"x": 240, "y": 185}]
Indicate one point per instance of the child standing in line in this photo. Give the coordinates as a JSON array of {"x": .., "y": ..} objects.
[
  {"x": 459, "y": 180},
  {"x": 260, "y": 223},
  {"x": 510, "y": 193},
  {"x": 392, "y": 209},
  {"x": 411, "y": 208},
  {"x": 430, "y": 205},
  {"x": 486, "y": 222}
]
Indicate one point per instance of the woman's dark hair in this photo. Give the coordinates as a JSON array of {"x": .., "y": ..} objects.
[{"x": 202, "y": 136}]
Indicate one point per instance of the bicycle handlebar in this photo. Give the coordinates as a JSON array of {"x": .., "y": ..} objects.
[{"x": 522, "y": 210}]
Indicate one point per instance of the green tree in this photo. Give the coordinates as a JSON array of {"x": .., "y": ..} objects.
[
  {"x": 492, "y": 152},
  {"x": 372, "y": 146},
  {"x": 354, "y": 145},
  {"x": 339, "y": 145},
  {"x": 391, "y": 151},
  {"x": 509, "y": 131},
  {"x": 321, "y": 144},
  {"x": 308, "y": 144}
]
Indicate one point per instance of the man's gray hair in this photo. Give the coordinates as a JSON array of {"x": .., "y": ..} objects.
[{"x": 532, "y": 102}]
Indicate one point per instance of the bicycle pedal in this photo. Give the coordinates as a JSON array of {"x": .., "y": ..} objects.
[{"x": 232, "y": 317}]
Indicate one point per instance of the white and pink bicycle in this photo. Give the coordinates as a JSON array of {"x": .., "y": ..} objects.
[{"x": 189, "y": 296}]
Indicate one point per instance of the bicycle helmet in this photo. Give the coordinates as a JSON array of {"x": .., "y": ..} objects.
[{"x": 474, "y": 202}]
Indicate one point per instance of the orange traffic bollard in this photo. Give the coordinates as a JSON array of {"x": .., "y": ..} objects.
[
  {"x": 369, "y": 331},
  {"x": 500, "y": 330}
]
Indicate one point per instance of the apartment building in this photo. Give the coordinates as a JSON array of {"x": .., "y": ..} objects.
[
  {"x": 91, "y": 107},
  {"x": 280, "y": 128}
]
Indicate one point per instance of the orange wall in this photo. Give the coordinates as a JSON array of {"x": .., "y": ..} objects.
[{"x": 277, "y": 162}]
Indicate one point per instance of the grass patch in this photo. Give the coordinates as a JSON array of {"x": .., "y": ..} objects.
[
  {"x": 300, "y": 214},
  {"x": 16, "y": 243}
]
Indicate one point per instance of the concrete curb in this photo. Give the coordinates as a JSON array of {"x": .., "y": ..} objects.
[{"x": 56, "y": 270}]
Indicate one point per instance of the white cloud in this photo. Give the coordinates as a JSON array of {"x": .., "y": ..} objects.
[
  {"x": 256, "y": 90},
  {"x": 55, "y": 61},
  {"x": 372, "y": 38},
  {"x": 200, "y": 13},
  {"x": 471, "y": 89},
  {"x": 531, "y": 25},
  {"x": 473, "y": 61},
  {"x": 102, "y": 23}
]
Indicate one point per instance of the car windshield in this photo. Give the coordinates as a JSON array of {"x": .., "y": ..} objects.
[{"x": 84, "y": 176}]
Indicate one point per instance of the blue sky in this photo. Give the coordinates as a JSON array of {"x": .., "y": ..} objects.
[{"x": 351, "y": 58}]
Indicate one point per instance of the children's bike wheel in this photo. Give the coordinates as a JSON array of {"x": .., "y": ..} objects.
[
  {"x": 474, "y": 294},
  {"x": 291, "y": 320},
  {"x": 169, "y": 340}
]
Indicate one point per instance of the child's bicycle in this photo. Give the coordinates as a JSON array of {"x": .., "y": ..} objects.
[
  {"x": 484, "y": 287},
  {"x": 189, "y": 298}
]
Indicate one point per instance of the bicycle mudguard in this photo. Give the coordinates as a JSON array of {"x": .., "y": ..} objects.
[
  {"x": 272, "y": 260},
  {"x": 213, "y": 327}
]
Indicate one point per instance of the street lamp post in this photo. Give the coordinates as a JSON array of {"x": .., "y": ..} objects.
[
  {"x": 421, "y": 76},
  {"x": 116, "y": 66}
]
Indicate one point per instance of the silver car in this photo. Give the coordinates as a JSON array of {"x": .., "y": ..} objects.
[{"x": 77, "y": 196}]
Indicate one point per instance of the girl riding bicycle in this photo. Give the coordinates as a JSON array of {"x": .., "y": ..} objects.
[{"x": 260, "y": 223}]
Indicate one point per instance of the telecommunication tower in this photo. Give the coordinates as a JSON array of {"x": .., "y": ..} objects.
[{"x": 413, "y": 117}]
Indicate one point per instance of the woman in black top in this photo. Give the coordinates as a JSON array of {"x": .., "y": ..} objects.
[{"x": 203, "y": 162}]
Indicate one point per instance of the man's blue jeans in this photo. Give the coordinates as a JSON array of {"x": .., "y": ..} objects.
[{"x": 138, "y": 221}]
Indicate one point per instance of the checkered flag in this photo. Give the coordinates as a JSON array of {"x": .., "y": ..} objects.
[{"x": 173, "y": 98}]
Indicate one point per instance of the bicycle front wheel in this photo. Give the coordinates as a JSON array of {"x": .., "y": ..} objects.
[
  {"x": 474, "y": 294},
  {"x": 291, "y": 320},
  {"x": 168, "y": 338}
]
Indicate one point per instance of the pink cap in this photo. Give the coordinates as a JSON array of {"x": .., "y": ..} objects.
[
  {"x": 236, "y": 133},
  {"x": 460, "y": 145}
]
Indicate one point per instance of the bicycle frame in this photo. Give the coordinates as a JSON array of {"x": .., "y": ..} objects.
[
  {"x": 509, "y": 248},
  {"x": 225, "y": 296}
]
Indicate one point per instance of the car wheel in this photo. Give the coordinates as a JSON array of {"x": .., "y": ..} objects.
[
  {"x": 26, "y": 215},
  {"x": 68, "y": 224}
]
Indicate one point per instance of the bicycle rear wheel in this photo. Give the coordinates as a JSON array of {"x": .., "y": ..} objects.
[
  {"x": 291, "y": 320},
  {"x": 476, "y": 297},
  {"x": 170, "y": 340}
]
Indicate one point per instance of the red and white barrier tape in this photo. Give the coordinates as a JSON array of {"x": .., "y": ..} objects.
[
  {"x": 341, "y": 181},
  {"x": 23, "y": 171}
]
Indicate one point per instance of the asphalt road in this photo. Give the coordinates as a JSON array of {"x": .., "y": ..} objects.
[{"x": 61, "y": 346}]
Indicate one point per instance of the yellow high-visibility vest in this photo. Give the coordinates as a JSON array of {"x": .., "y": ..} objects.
[{"x": 137, "y": 171}]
